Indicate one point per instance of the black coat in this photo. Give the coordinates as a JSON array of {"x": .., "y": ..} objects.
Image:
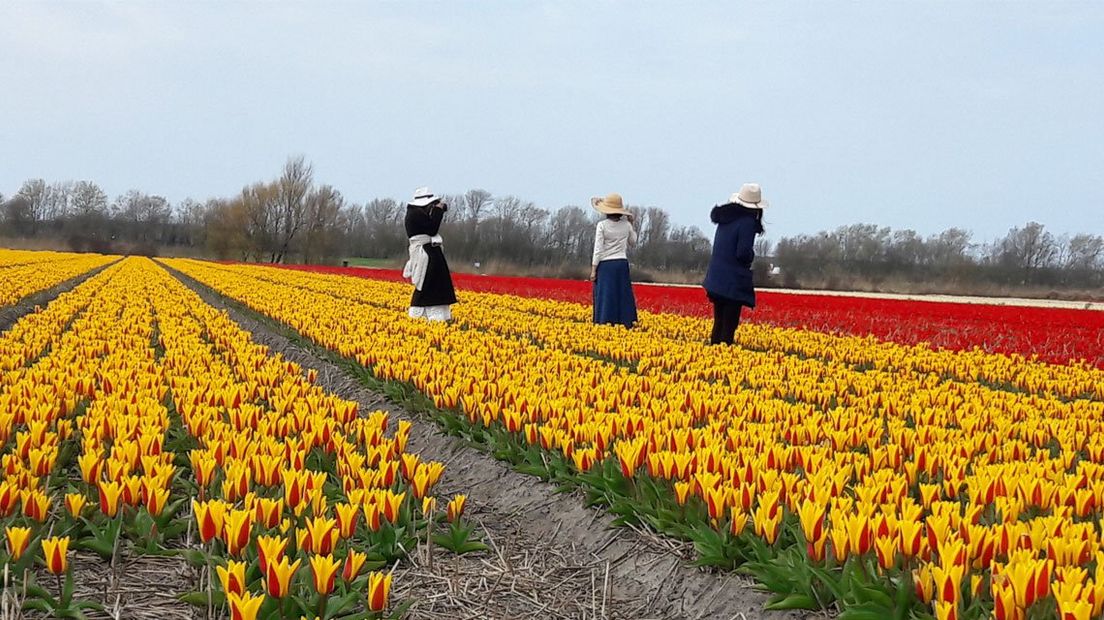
[
  {"x": 729, "y": 273},
  {"x": 437, "y": 288}
]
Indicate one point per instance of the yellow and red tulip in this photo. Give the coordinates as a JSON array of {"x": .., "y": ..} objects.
[
  {"x": 278, "y": 577},
  {"x": 232, "y": 577},
  {"x": 55, "y": 551},
  {"x": 36, "y": 505},
  {"x": 324, "y": 568},
  {"x": 110, "y": 496},
  {"x": 74, "y": 503},
  {"x": 244, "y": 606},
  {"x": 354, "y": 560},
  {"x": 210, "y": 516},
  {"x": 379, "y": 591},
  {"x": 18, "y": 539},
  {"x": 237, "y": 530},
  {"x": 270, "y": 549},
  {"x": 455, "y": 508},
  {"x": 347, "y": 516}
]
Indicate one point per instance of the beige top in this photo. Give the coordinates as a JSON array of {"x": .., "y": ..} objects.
[{"x": 612, "y": 240}]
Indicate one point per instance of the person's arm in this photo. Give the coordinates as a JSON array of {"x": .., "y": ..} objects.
[
  {"x": 599, "y": 244},
  {"x": 435, "y": 215},
  {"x": 632, "y": 232}
]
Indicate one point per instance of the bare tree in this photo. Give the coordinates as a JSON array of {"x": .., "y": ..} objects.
[
  {"x": 17, "y": 216},
  {"x": 475, "y": 201},
  {"x": 1026, "y": 250},
  {"x": 35, "y": 193},
  {"x": 291, "y": 203},
  {"x": 324, "y": 206}
]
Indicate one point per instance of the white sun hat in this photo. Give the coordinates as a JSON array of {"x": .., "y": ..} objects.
[
  {"x": 750, "y": 196},
  {"x": 423, "y": 197}
]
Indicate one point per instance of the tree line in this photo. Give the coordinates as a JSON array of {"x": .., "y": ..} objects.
[
  {"x": 868, "y": 255},
  {"x": 291, "y": 218}
]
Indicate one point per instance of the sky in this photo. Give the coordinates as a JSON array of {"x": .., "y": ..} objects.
[{"x": 922, "y": 115}]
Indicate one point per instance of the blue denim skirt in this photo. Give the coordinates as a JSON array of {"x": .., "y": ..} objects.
[{"x": 613, "y": 295}]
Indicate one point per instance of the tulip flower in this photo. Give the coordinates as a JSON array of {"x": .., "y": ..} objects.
[
  {"x": 244, "y": 606},
  {"x": 270, "y": 549},
  {"x": 204, "y": 466},
  {"x": 948, "y": 583},
  {"x": 716, "y": 502},
  {"x": 324, "y": 568},
  {"x": 268, "y": 511},
  {"x": 237, "y": 530},
  {"x": 682, "y": 492},
  {"x": 429, "y": 506},
  {"x": 379, "y": 591},
  {"x": 1004, "y": 600},
  {"x": 811, "y": 514},
  {"x": 737, "y": 520},
  {"x": 946, "y": 611},
  {"x": 55, "y": 550},
  {"x": 110, "y": 494},
  {"x": 886, "y": 549},
  {"x": 278, "y": 577},
  {"x": 347, "y": 515},
  {"x": 232, "y": 577},
  {"x": 924, "y": 582},
  {"x": 9, "y": 497},
  {"x": 209, "y": 516},
  {"x": 90, "y": 467},
  {"x": 455, "y": 508},
  {"x": 36, "y": 505},
  {"x": 351, "y": 566},
  {"x": 156, "y": 498},
  {"x": 372, "y": 517},
  {"x": 321, "y": 535},
  {"x": 18, "y": 539},
  {"x": 74, "y": 503}
]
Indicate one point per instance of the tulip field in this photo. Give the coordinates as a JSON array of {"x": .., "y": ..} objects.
[
  {"x": 1055, "y": 335},
  {"x": 23, "y": 273},
  {"x": 858, "y": 470},
  {"x": 135, "y": 417}
]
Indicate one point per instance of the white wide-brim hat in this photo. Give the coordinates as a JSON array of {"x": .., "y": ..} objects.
[
  {"x": 750, "y": 196},
  {"x": 610, "y": 205},
  {"x": 423, "y": 197}
]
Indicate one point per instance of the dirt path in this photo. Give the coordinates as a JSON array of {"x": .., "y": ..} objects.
[{"x": 550, "y": 556}]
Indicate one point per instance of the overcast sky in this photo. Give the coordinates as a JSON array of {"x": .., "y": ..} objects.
[{"x": 921, "y": 115}]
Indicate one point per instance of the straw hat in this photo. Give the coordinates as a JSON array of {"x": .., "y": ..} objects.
[
  {"x": 750, "y": 196},
  {"x": 423, "y": 197},
  {"x": 610, "y": 205}
]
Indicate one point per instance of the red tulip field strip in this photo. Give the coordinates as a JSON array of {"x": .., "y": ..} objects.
[
  {"x": 1054, "y": 335},
  {"x": 986, "y": 501},
  {"x": 26, "y": 273},
  {"x": 1066, "y": 381},
  {"x": 177, "y": 415}
]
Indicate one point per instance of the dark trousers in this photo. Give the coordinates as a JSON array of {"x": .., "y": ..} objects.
[{"x": 726, "y": 318}]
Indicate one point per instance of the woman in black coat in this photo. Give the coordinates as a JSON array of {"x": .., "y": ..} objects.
[
  {"x": 728, "y": 281},
  {"x": 427, "y": 268}
]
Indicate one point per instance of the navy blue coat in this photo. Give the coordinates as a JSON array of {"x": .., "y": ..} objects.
[{"x": 729, "y": 273}]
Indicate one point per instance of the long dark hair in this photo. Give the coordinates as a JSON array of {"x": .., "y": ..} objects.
[{"x": 758, "y": 221}]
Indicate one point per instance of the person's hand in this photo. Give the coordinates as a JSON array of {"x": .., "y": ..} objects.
[{"x": 593, "y": 275}]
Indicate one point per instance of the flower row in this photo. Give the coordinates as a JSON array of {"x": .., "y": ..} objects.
[{"x": 961, "y": 485}]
